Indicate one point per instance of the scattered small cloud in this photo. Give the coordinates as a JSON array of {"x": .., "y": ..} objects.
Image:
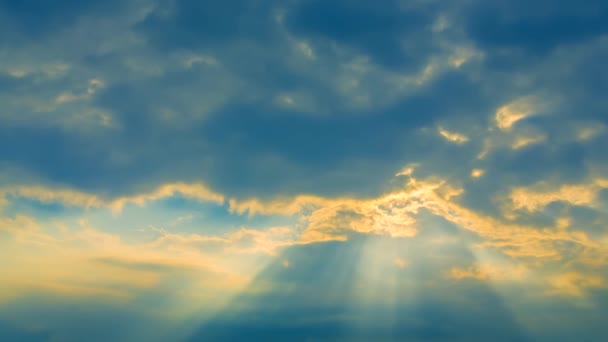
[
  {"x": 456, "y": 138},
  {"x": 509, "y": 114},
  {"x": 477, "y": 173}
]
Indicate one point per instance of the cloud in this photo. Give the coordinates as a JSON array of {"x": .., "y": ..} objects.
[
  {"x": 242, "y": 241},
  {"x": 490, "y": 273},
  {"x": 397, "y": 215},
  {"x": 502, "y": 26},
  {"x": 47, "y": 195},
  {"x": 386, "y": 28},
  {"x": 243, "y": 141},
  {"x": 159, "y": 89},
  {"x": 587, "y": 133},
  {"x": 521, "y": 142},
  {"x": 575, "y": 284},
  {"x": 105, "y": 265},
  {"x": 68, "y": 197},
  {"x": 198, "y": 192},
  {"x": 453, "y": 137},
  {"x": 511, "y": 113},
  {"x": 33, "y": 19},
  {"x": 476, "y": 173},
  {"x": 539, "y": 196}
]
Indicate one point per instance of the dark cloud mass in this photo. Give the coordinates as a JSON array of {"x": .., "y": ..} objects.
[
  {"x": 392, "y": 35},
  {"x": 246, "y": 125}
]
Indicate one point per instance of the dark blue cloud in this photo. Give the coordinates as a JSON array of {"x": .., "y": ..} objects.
[
  {"x": 311, "y": 148},
  {"x": 52, "y": 158},
  {"x": 249, "y": 146},
  {"x": 517, "y": 33},
  {"x": 315, "y": 153},
  {"x": 195, "y": 24},
  {"x": 376, "y": 30},
  {"x": 537, "y": 27},
  {"x": 36, "y": 18}
]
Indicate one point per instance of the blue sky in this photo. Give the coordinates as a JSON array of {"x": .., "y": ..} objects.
[{"x": 303, "y": 170}]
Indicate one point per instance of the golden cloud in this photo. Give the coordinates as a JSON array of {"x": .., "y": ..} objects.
[
  {"x": 454, "y": 137},
  {"x": 507, "y": 115},
  {"x": 393, "y": 214},
  {"x": 537, "y": 197},
  {"x": 69, "y": 197}
]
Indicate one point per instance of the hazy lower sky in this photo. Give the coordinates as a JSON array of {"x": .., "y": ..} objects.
[{"x": 303, "y": 170}]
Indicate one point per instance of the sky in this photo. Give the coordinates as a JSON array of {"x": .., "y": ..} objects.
[{"x": 303, "y": 170}]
